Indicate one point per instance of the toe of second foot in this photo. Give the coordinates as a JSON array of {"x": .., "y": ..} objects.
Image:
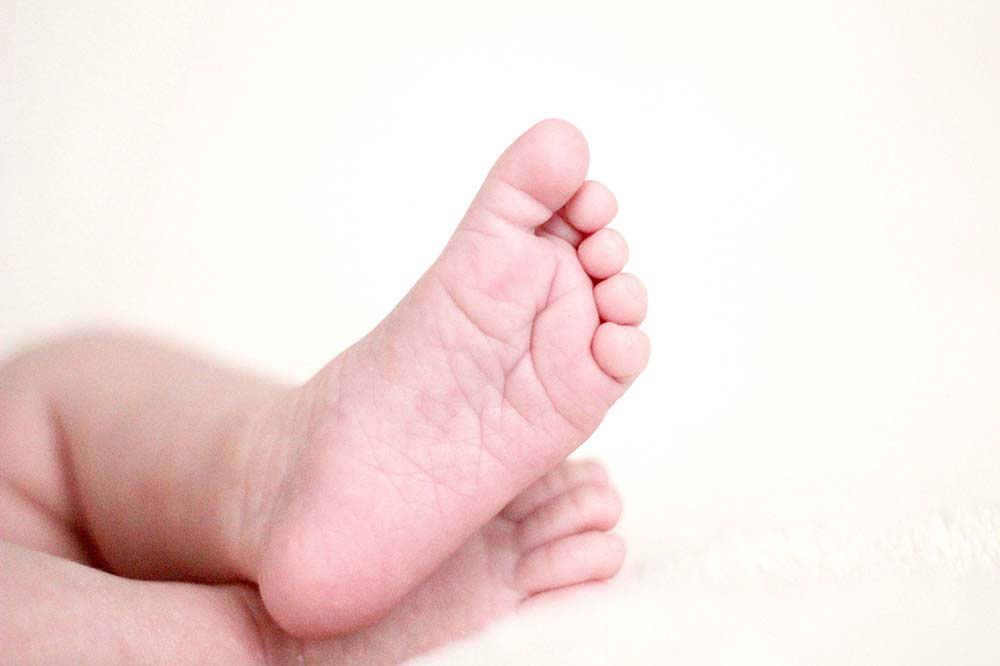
[
  {"x": 590, "y": 556},
  {"x": 581, "y": 509}
]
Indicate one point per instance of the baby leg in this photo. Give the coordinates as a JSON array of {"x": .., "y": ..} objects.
[{"x": 125, "y": 454}]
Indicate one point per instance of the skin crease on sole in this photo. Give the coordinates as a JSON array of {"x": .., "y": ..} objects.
[{"x": 501, "y": 361}]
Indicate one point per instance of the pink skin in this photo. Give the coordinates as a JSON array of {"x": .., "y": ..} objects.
[
  {"x": 518, "y": 557},
  {"x": 341, "y": 497},
  {"x": 550, "y": 539},
  {"x": 489, "y": 372}
]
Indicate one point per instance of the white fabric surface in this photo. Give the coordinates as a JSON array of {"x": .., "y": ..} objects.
[{"x": 810, "y": 465}]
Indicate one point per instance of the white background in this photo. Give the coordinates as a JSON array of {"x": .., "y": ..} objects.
[{"x": 811, "y": 191}]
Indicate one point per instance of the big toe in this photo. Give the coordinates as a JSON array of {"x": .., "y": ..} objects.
[{"x": 533, "y": 178}]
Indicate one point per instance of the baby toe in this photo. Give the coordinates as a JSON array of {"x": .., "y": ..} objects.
[
  {"x": 577, "y": 559},
  {"x": 621, "y": 299},
  {"x": 621, "y": 352},
  {"x": 591, "y": 208},
  {"x": 569, "y": 474},
  {"x": 603, "y": 254},
  {"x": 581, "y": 509}
]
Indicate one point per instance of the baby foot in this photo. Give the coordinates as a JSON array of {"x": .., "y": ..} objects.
[
  {"x": 551, "y": 537},
  {"x": 501, "y": 360}
]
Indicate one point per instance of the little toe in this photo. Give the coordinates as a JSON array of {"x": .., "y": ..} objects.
[
  {"x": 592, "y": 207},
  {"x": 577, "y": 559},
  {"x": 603, "y": 254},
  {"x": 621, "y": 299},
  {"x": 621, "y": 351},
  {"x": 569, "y": 474},
  {"x": 581, "y": 509}
]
